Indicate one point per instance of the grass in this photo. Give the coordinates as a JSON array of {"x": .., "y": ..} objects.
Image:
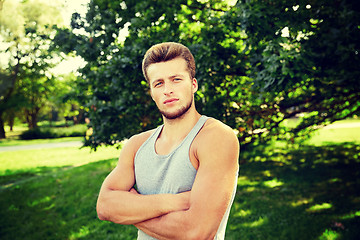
[
  {"x": 334, "y": 135},
  {"x": 14, "y": 166},
  {"x": 59, "y": 205},
  {"x": 307, "y": 191},
  {"x": 310, "y": 192}
]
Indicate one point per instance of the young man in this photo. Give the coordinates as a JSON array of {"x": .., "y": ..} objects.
[{"x": 185, "y": 170}]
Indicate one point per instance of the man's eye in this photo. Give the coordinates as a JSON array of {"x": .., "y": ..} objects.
[
  {"x": 177, "y": 79},
  {"x": 157, "y": 84}
]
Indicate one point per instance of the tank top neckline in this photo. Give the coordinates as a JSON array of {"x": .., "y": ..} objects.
[{"x": 201, "y": 122}]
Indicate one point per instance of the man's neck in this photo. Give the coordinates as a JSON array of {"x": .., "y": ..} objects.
[{"x": 177, "y": 129}]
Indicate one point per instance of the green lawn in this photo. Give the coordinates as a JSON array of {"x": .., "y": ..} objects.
[
  {"x": 16, "y": 165},
  {"x": 301, "y": 191}
]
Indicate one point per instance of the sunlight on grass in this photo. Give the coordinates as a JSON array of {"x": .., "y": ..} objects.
[
  {"x": 261, "y": 221},
  {"x": 351, "y": 215},
  {"x": 319, "y": 207},
  {"x": 267, "y": 173},
  {"x": 83, "y": 232},
  {"x": 242, "y": 213},
  {"x": 249, "y": 189},
  {"x": 244, "y": 181},
  {"x": 301, "y": 202},
  {"x": 273, "y": 183},
  {"x": 329, "y": 235},
  {"x": 52, "y": 157},
  {"x": 39, "y": 201},
  {"x": 334, "y": 135},
  {"x": 334, "y": 180}
]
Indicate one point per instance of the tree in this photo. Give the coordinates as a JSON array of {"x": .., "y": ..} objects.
[
  {"x": 259, "y": 63},
  {"x": 304, "y": 55},
  {"x": 26, "y": 30}
]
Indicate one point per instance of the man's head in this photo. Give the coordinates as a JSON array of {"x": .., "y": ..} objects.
[{"x": 163, "y": 52}]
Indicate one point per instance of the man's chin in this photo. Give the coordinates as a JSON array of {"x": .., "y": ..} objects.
[
  {"x": 177, "y": 114},
  {"x": 174, "y": 115}
]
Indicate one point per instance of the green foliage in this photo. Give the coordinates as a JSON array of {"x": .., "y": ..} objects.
[
  {"x": 258, "y": 63},
  {"x": 26, "y": 28},
  {"x": 41, "y": 133}
]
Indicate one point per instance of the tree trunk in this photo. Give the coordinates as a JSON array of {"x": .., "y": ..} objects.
[
  {"x": 2, "y": 129},
  {"x": 31, "y": 117},
  {"x": 34, "y": 120},
  {"x": 11, "y": 120}
]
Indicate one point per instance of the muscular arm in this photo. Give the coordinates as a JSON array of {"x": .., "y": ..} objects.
[
  {"x": 118, "y": 204},
  {"x": 210, "y": 195}
]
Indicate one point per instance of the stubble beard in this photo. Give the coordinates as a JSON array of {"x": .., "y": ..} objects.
[{"x": 179, "y": 113}]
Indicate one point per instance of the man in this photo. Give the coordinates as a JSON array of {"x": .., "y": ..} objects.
[{"x": 185, "y": 170}]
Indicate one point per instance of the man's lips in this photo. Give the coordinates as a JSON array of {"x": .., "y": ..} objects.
[{"x": 171, "y": 100}]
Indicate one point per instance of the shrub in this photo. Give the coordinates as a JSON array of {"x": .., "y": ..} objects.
[
  {"x": 37, "y": 133},
  {"x": 42, "y": 133}
]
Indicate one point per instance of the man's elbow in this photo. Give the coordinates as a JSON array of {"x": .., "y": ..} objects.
[
  {"x": 200, "y": 233},
  {"x": 101, "y": 211},
  {"x": 102, "y": 216},
  {"x": 105, "y": 214}
]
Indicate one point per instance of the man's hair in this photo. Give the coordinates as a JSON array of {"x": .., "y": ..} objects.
[{"x": 166, "y": 51}]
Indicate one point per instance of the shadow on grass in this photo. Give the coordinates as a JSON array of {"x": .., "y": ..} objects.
[
  {"x": 59, "y": 203},
  {"x": 296, "y": 192},
  {"x": 13, "y": 177},
  {"x": 283, "y": 193}
]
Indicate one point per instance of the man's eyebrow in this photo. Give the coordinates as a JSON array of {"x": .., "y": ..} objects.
[
  {"x": 177, "y": 75},
  {"x": 156, "y": 81}
]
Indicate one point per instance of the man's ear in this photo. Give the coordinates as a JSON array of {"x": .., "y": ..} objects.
[{"x": 195, "y": 85}]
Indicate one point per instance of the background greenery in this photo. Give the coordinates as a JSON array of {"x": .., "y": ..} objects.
[
  {"x": 259, "y": 63},
  {"x": 274, "y": 71}
]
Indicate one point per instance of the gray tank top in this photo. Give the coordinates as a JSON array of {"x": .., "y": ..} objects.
[{"x": 172, "y": 173}]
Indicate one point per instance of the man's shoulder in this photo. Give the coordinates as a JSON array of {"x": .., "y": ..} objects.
[
  {"x": 216, "y": 143},
  {"x": 137, "y": 140},
  {"x": 216, "y": 127},
  {"x": 214, "y": 131}
]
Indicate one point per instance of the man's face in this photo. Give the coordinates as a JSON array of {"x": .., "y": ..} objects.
[{"x": 171, "y": 87}]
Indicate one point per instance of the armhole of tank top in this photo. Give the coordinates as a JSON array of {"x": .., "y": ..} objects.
[
  {"x": 147, "y": 140},
  {"x": 189, "y": 163}
]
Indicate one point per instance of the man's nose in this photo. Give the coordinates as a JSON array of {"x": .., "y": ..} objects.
[{"x": 168, "y": 89}]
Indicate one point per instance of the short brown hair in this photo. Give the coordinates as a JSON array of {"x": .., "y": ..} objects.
[{"x": 166, "y": 51}]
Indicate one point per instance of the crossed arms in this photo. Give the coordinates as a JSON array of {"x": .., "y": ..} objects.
[{"x": 191, "y": 215}]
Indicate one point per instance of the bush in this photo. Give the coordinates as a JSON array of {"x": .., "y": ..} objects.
[
  {"x": 43, "y": 133},
  {"x": 37, "y": 133}
]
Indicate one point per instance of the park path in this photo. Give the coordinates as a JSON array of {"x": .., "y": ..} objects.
[{"x": 41, "y": 146}]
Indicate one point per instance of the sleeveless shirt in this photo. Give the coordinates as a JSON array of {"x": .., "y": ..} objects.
[{"x": 172, "y": 173}]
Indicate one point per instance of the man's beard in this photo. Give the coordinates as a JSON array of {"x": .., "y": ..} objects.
[{"x": 177, "y": 114}]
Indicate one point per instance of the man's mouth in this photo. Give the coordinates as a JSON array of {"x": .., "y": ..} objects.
[{"x": 171, "y": 100}]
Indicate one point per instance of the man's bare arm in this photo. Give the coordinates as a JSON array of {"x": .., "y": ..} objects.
[
  {"x": 210, "y": 195},
  {"x": 118, "y": 204}
]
